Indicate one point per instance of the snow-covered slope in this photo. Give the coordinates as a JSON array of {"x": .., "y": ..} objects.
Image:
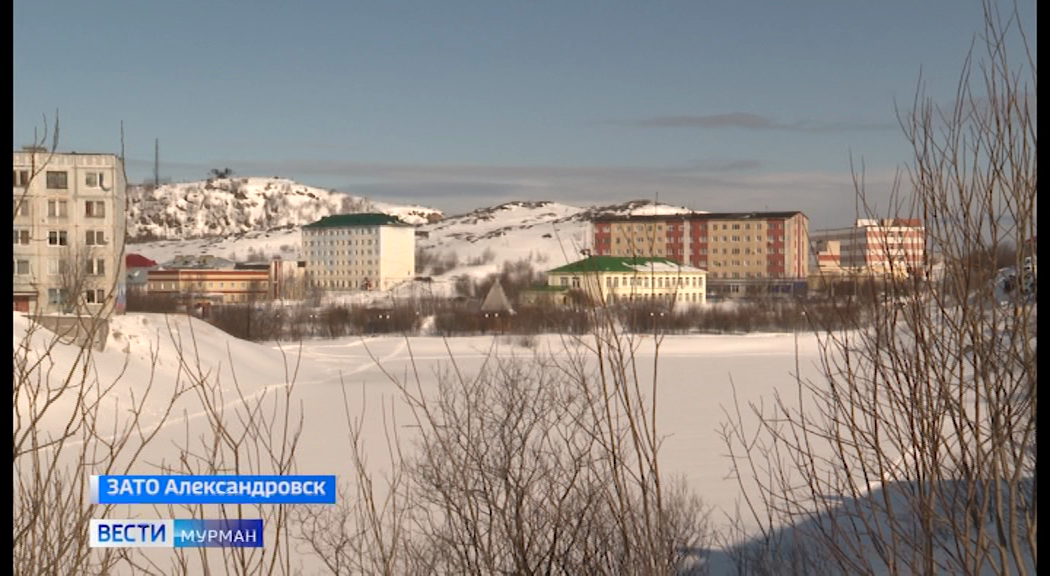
[
  {"x": 258, "y": 218},
  {"x": 224, "y": 207}
]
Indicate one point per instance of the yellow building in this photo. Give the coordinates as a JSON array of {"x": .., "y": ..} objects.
[{"x": 612, "y": 279}]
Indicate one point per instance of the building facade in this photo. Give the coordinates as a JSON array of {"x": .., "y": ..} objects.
[
  {"x": 69, "y": 228},
  {"x": 202, "y": 281},
  {"x": 895, "y": 246},
  {"x": 743, "y": 252},
  {"x": 201, "y": 287},
  {"x": 615, "y": 279},
  {"x": 370, "y": 251}
]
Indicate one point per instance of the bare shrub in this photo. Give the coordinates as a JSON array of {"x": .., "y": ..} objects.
[
  {"x": 915, "y": 452},
  {"x": 529, "y": 466},
  {"x": 372, "y": 320},
  {"x": 141, "y": 301},
  {"x": 542, "y": 318},
  {"x": 486, "y": 257},
  {"x": 425, "y": 261},
  {"x": 457, "y": 320},
  {"x": 335, "y": 321},
  {"x": 442, "y": 264},
  {"x": 514, "y": 277}
]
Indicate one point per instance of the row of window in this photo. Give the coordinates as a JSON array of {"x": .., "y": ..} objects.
[
  {"x": 22, "y": 237},
  {"x": 317, "y": 254},
  {"x": 92, "y": 267},
  {"x": 344, "y": 263},
  {"x": 370, "y": 231},
  {"x": 313, "y": 243},
  {"x": 638, "y": 240},
  {"x": 667, "y": 297},
  {"x": 60, "y": 296},
  {"x": 365, "y": 284},
  {"x": 60, "y": 208},
  {"x": 658, "y": 281},
  {"x": 739, "y": 275},
  {"x": 682, "y": 227},
  {"x": 200, "y": 285},
  {"x": 639, "y": 281},
  {"x": 344, "y": 272},
  {"x": 59, "y": 179}
]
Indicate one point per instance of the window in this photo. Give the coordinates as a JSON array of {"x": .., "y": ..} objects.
[
  {"x": 21, "y": 267},
  {"x": 21, "y": 207},
  {"x": 95, "y": 238},
  {"x": 95, "y": 209},
  {"x": 563, "y": 281},
  {"x": 96, "y": 267},
  {"x": 56, "y": 296},
  {"x": 57, "y": 208},
  {"x": 95, "y": 180},
  {"x": 57, "y": 238},
  {"x": 21, "y": 237},
  {"x": 20, "y": 178},
  {"x": 56, "y": 267},
  {"x": 57, "y": 180},
  {"x": 97, "y": 296}
]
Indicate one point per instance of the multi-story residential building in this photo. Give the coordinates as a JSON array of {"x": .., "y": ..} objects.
[
  {"x": 888, "y": 246},
  {"x": 69, "y": 228},
  {"x": 368, "y": 251},
  {"x": 610, "y": 279},
  {"x": 743, "y": 252}
]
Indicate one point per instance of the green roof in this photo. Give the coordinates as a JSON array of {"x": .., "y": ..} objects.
[
  {"x": 610, "y": 264},
  {"x": 361, "y": 219},
  {"x": 546, "y": 288}
]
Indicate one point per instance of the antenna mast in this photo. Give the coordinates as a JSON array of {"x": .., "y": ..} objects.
[{"x": 156, "y": 163}]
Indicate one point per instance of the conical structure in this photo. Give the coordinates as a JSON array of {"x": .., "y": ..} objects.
[{"x": 496, "y": 300}]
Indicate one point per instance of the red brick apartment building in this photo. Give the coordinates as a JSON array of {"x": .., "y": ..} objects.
[{"x": 745, "y": 253}]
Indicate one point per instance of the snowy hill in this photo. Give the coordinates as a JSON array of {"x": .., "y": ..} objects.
[
  {"x": 224, "y": 207},
  {"x": 258, "y": 218}
]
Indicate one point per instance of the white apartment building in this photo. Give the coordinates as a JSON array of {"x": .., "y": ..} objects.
[
  {"x": 69, "y": 227},
  {"x": 368, "y": 251},
  {"x": 871, "y": 246}
]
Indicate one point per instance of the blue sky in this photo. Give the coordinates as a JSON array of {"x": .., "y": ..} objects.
[{"x": 712, "y": 105}]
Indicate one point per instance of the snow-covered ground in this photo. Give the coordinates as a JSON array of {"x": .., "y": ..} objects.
[{"x": 696, "y": 380}]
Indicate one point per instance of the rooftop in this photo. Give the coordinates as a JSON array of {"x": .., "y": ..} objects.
[
  {"x": 696, "y": 216},
  {"x": 361, "y": 219},
  {"x": 623, "y": 264}
]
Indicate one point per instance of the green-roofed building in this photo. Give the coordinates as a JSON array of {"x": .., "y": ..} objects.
[
  {"x": 607, "y": 279},
  {"x": 366, "y": 251}
]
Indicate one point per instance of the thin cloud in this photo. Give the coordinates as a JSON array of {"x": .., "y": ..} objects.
[{"x": 748, "y": 121}]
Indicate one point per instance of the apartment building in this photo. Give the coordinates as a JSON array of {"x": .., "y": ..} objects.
[
  {"x": 872, "y": 246},
  {"x": 69, "y": 227},
  {"x": 368, "y": 251},
  {"x": 610, "y": 279},
  {"x": 743, "y": 252}
]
